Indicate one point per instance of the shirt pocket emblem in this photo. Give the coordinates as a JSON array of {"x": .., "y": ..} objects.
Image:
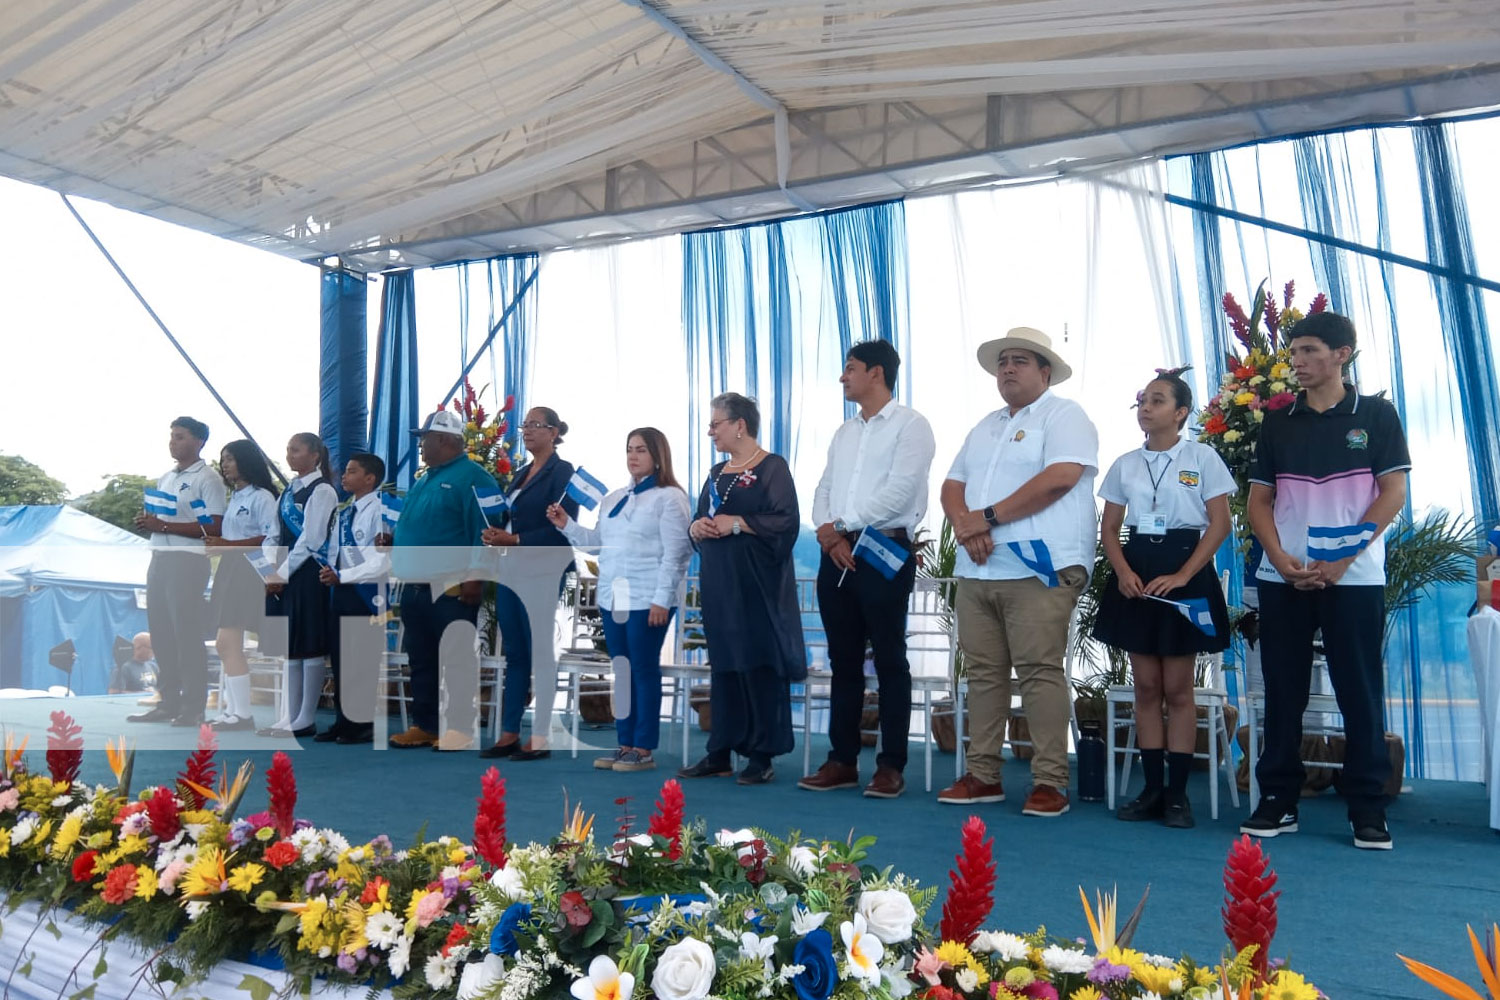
[
  {"x": 1020, "y": 436},
  {"x": 1188, "y": 478}
]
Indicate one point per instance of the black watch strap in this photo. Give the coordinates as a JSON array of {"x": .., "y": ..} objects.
[{"x": 989, "y": 515}]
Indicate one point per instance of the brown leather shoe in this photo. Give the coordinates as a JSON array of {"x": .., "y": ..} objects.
[
  {"x": 830, "y": 776},
  {"x": 413, "y": 738},
  {"x": 1045, "y": 800},
  {"x": 887, "y": 784},
  {"x": 969, "y": 789},
  {"x": 453, "y": 740}
]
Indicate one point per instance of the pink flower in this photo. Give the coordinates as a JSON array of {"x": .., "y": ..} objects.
[
  {"x": 170, "y": 875},
  {"x": 9, "y": 799},
  {"x": 1040, "y": 989},
  {"x": 1255, "y": 403},
  {"x": 430, "y": 907},
  {"x": 1280, "y": 401},
  {"x": 928, "y": 966}
]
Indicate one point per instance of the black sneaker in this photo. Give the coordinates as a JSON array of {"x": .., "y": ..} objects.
[
  {"x": 1150, "y": 804},
  {"x": 1270, "y": 819},
  {"x": 1370, "y": 832},
  {"x": 1177, "y": 814}
]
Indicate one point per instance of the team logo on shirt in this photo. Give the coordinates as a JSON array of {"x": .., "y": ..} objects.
[
  {"x": 1358, "y": 439},
  {"x": 1020, "y": 436},
  {"x": 1188, "y": 478},
  {"x": 243, "y": 510}
]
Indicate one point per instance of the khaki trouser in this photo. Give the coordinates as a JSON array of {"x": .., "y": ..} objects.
[{"x": 1019, "y": 625}]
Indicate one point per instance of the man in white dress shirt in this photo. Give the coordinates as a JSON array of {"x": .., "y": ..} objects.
[
  {"x": 1020, "y": 497},
  {"x": 176, "y": 612},
  {"x": 875, "y": 482}
]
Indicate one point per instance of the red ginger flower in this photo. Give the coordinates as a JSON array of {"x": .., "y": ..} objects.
[
  {"x": 971, "y": 893},
  {"x": 1319, "y": 303},
  {"x": 1249, "y": 904},
  {"x": 1286, "y": 295},
  {"x": 64, "y": 747},
  {"x": 1238, "y": 321},
  {"x": 281, "y": 854},
  {"x": 666, "y": 822},
  {"x": 282, "y": 786},
  {"x": 489, "y": 820},
  {"x": 161, "y": 809},
  {"x": 1273, "y": 319},
  {"x": 120, "y": 884},
  {"x": 200, "y": 768},
  {"x": 83, "y": 866}
]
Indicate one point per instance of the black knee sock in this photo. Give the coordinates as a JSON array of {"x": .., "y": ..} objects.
[
  {"x": 1178, "y": 767},
  {"x": 1151, "y": 763}
]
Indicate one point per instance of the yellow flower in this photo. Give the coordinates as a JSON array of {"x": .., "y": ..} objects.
[
  {"x": 133, "y": 844},
  {"x": 1204, "y": 976},
  {"x": 1278, "y": 387},
  {"x": 4, "y": 844},
  {"x": 1154, "y": 977},
  {"x": 42, "y": 833},
  {"x": 1258, "y": 415},
  {"x": 1280, "y": 370},
  {"x": 1084, "y": 993},
  {"x": 1019, "y": 978},
  {"x": 1257, "y": 380},
  {"x": 315, "y": 935},
  {"x": 354, "y": 928},
  {"x": 197, "y": 816},
  {"x": 1244, "y": 398},
  {"x": 957, "y": 954},
  {"x": 1289, "y": 986},
  {"x": 1231, "y": 436},
  {"x": 265, "y": 833},
  {"x": 246, "y": 876},
  {"x": 99, "y": 841},
  {"x": 67, "y": 835},
  {"x": 145, "y": 882},
  {"x": 457, "y": 856},
  {"x": 205, "y": 877}
]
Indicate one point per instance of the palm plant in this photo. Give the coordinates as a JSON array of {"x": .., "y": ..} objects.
[{"x": 1434, "y": 549}]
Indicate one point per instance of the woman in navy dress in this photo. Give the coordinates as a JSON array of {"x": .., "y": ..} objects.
[
  {"x": 746, "y": 525},
  {"x": 307, "y": 510},
  {"x": 537, "y": 485}
]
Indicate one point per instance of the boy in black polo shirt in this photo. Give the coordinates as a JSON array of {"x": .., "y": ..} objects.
[{"x": 1329, "y": 475}]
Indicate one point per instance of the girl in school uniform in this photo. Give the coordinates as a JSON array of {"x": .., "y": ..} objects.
[
  {"x": 643, "y": 546},
  {"x": 238, "y": 602},
  {"x": 1174, "y": 495},
  {"x": 306, "y": 512}
]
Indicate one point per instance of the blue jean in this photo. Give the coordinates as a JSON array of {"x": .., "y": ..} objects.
[
  {"x": 640, "y": 643},
  {"x": 515, "y": 634}
]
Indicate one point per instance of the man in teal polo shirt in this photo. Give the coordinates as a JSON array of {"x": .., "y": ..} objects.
[{"x": 440, "y": 512}]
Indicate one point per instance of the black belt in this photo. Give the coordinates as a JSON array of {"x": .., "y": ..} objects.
[
  {"x": 895, "y": 534},
  {"x": 1172, "y": 534}
]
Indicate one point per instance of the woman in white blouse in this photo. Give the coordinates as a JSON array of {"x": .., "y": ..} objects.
[
  {"x": 239, "y": 596},
  {"x": 642, "y": 538}
]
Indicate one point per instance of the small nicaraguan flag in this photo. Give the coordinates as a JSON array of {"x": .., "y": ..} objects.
[
  {"x": 584, "y": 488},
  {"x": 885, "y": 554},
  {"x": 1195, "y": 610},
  {"x": 200, "y": 511},
  {"x": 1035, "y": 555},
  {"x": 491, "y": 501},
  {"x": 1335, "y": 543},
  {"x": 160, "y": 503},
  {"x": 390, "y": 508},
  {"x": 261, "y": 564}
]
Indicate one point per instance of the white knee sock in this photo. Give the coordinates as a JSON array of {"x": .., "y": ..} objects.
[
  {"x": 237, "y": 690},
  {"x": 291, "y": 693},
  {"x": 314, "y": 670}
]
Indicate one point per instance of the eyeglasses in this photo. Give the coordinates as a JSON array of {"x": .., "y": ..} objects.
[
  {"x": 713, "y": 424},
  {"x": 532, "y": 425}
]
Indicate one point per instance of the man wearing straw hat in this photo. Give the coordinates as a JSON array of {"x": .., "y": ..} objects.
[{"x": 1020, "y": 497}]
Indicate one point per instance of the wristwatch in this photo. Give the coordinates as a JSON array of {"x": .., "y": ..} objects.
[
  {"x": 989, "y": 516},
  {"x": 735, "y": 528},
  {"x": 841, "y": 527}
]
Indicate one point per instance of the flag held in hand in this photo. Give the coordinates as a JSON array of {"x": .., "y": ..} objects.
[
  {"x": 1195, "y": 610},
  {"x": 390, "y": 509},
  {"x": 200, "y": 511},
  {"x": 1330, "y": 544},
  {"x": 880, "y": 551},
  {"x": 584, "y": 488},
  {"x": 261, "y": 563},
  {"x": 492, "y": 502},
  {"x": 160, "y": 503}
]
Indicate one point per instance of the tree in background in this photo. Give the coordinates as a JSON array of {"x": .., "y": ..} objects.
[
  {"x": 119, "y": 502},
  {"x": 21, "y": 482}
]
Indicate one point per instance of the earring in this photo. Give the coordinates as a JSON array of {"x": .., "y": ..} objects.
[{"x": 738, "y": 435}]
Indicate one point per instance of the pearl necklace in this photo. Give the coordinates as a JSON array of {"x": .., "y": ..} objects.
[{"x": 729, "y": 468}]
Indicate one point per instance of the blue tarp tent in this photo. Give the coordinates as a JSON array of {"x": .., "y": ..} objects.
[{"x": 66, "y": 575}]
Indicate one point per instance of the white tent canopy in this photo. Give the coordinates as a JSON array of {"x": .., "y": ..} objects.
[{"x": 403, "y": 132}]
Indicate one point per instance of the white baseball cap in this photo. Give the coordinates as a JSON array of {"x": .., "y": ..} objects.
[{"x": 442, "y": 422}]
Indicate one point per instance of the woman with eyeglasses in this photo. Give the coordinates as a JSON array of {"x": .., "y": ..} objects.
[
  {"x": 537, "y": 485},
  {"x": 746, "y": 525}
]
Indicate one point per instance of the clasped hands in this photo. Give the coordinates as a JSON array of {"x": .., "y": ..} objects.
[
  {"x": 973, "y": 532},
  {"x": 1315, "y": 575},
  {"x": 719, "y": 526}
]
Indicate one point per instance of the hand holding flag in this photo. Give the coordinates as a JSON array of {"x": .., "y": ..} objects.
[
  {"x": 585, "y": 489},
  {"x": 492, "y": 503},
  {"x": 205, "y": 519},
  {"x": 390, "y": 509},
  {"x": 1195, "y": 610},
  {"x": 880, "y": 551},
  {"x": 160, "y": 503}
]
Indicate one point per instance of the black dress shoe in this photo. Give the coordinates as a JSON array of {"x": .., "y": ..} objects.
[
  {"x": 1177, "y": 814},
  {"x": 329, "y": 735},
  {"x": 1150, "y": 804},
  {"x": 188, "y": 720},
  {"x": 500, "y": 750},
  {"x": 157, "y": 714},
  {"x": 757, "y": 772},
  {"x": 230, "y": 725},
  {"x": 708, "y": 767},
  {"x": 540, "y": 753},
  {"x": 278, "y": 733},
  {"x": 361, "y": 734}
]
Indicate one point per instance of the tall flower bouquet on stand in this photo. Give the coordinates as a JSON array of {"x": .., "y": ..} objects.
[
  {"x": 484, "y": 434},
  {"x": 1255, "y": 382}
]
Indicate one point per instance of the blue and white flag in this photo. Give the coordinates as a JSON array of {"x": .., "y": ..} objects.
[
  {"x": 390, "y": 509},
  {"x": 584, "y": 488},
  {"x": 492, "y": 502},
  {"x": 1195, "y": 610},
  {"x": 885, "y": 554},
  {"x": 160, "y": 503},
  {"x": 1335, "y": 543},
  {"x": 200, "y": 511},
  {"x": 1035, "y": 555},
  {"x": 261, "y": 563},
  {"x": 1494, "y": 541}
]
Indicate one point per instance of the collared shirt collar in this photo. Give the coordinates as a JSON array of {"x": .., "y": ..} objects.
[
  {"x": 1171, "y": 452},
  {"x": 1349, "y": 404},
  {"x": 885, "y": 412},
  {"x": 194, "y": 467},
  {"x": 306, "y": 479},
  {"x": 1006, "y": 413},
  {"x": 372, "y": 497}
]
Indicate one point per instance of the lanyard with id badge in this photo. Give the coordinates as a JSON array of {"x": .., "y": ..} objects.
[{"x": 1154, "y": 522}]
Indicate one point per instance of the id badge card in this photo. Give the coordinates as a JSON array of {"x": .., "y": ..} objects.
[{"x": 1152, "y": 524}]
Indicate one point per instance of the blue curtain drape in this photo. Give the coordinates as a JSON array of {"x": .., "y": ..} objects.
[
  {"x": 866, "y": 253},
  {"x": 510, "y": 303},
  {"x": 394, "y": 407},
  {"x": 342, "y": 376}
]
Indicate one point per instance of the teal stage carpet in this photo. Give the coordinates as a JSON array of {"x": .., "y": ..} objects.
[{"x": 1344, "y": 913}]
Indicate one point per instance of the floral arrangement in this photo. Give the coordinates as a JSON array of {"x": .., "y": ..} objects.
[
  {"x": 1486, "y": 956},
  {"x": 485, "y": 434},
  {"x": 669, "y": 912},
  {"x": 1258, "y": 381}
]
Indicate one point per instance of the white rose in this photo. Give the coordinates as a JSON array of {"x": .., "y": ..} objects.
[
  {"x": 802, "y": 860},
  {"x": 508, "y": 881},
  {"x": 966, "y": 979},
  {"x": 685, "y": 971},
  {"x": 480, "y": 978},
  {"x": 888, "y": 914}
]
